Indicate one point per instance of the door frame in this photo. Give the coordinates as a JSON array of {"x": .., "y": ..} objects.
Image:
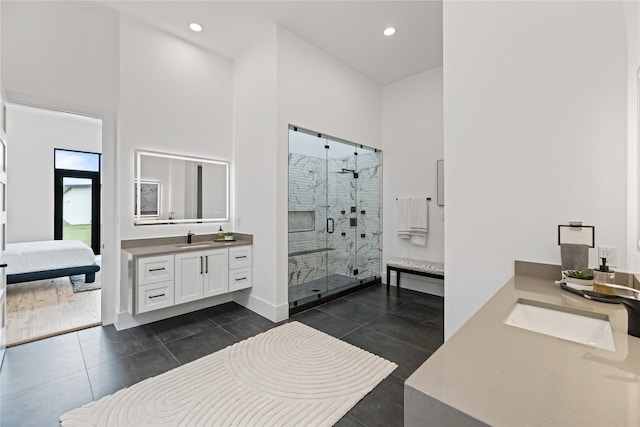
[{"x": 59, "y": 176}]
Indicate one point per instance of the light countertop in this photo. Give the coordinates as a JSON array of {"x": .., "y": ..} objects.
[
  {"x": 172, "y": 245},
  {"x": 493, "y": 373}
]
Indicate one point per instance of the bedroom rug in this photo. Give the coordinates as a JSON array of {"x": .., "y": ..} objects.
[
  {"x": 292, "y": 375},
  {"x": 78, "y": 284},
  {"x": 44, "y": 308}
]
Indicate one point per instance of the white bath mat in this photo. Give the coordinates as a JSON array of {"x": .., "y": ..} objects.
[{"x": 292, "y": 375}]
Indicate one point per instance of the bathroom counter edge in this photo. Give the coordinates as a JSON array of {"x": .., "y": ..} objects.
[{"x": 492, "y": 373}]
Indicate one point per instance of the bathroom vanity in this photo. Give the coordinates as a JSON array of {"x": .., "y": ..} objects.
[
  {"x": 166, "y": 272},
  {"x": 491, "y": 372}
]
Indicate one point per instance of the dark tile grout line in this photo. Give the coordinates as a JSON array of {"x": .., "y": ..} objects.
[
  {"x": 162, "y": 344},
  {"x": 86, "y": 369}
]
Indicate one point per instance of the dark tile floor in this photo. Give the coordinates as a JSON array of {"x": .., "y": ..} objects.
[
  {"x": 309, "y": 291},
  {"x": 42, "y": 380}
]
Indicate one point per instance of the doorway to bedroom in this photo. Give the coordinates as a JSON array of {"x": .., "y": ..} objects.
[{"x": 54, "y": 218}]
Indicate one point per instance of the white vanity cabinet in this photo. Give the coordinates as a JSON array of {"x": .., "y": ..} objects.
[
  {"x": 155, "y": 283},
  {"x": 240, "y": 268},
  {"x": 161, "y": 281},
  {"x": 200, "y": 274}
]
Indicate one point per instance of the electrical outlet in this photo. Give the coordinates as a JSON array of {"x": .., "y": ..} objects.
[{"x": 611, "y": 254}]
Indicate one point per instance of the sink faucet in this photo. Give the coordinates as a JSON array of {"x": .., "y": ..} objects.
[
  {"x": 189, "y": 235},
  {"x": 631, "y": 304}
]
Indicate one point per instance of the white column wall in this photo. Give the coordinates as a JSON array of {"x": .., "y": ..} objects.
[
  {"x": 255, "y": 160},
  {"x": 535, "y": 121},
  {"x": 412, "y": 141}
]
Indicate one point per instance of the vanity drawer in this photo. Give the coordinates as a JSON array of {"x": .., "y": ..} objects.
[
  {"x": 155, "y": 296},
  {"x": 239, "y": 278},
  {"x": 155, "y": 269},
  {"x": 239, "y": 257}
]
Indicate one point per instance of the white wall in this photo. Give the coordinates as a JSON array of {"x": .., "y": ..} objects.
[
  {"x": 255, "y": 161},
  {"x": 632, "y": 17},
  {"x": 319, "y": 93},
  {"x": 64, "y": 56},
  {"x": 301, "y": 85},
  {"x": 175, "y": 97},
  {"x": 35, "y": 133},
  {"x": 60, "y": 51},
  {"x": 535, "y": 120},
  {"x": 412, "y": 143}
]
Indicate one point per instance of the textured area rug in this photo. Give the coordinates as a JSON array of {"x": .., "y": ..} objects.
[
  {"x": 79, "y": 284},
  {"x": 292, "y": 375}
]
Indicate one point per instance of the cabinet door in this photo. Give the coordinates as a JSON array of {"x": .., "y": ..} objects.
[
  {"x": 216, "y": 279},
  {"x": 189, "y": 276}
]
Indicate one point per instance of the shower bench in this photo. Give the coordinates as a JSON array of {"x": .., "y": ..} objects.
[{"x": 413, "y": 266}]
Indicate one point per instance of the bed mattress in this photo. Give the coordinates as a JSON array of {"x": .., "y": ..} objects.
[{"x": 47, "y": 255}]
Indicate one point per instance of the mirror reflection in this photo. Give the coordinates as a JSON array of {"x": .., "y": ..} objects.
[{"x": 179, "y": 189}]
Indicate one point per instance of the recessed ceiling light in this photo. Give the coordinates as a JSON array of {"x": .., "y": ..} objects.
[
  {"x": 195, "y": 27},
  {"x": 389, "y": 31}
]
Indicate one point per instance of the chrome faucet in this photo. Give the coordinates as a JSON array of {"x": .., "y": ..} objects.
[
  {"x": 631, "y": 304},
  {"x": 189, "y": 235}
]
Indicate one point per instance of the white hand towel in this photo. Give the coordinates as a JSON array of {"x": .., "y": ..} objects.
[
  {"x": 403, "y": 218},
  {"x": 418, "y": 220}
]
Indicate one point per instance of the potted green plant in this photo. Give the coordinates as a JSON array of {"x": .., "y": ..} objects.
[
  {"x": 228, "y": 235},
  {"x": 578, "y": 277}
]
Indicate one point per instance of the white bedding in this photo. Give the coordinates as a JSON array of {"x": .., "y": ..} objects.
[{"x": 48, "y": 255}]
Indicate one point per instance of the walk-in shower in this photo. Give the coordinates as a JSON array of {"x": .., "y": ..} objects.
[{"x": 335, "y": 216}]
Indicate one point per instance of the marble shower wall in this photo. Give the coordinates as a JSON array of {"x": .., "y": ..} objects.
[
  {"x": 353, "y": 251},
  {"x": 315, "y": 188},
  {"x": 308, "y": 257}
]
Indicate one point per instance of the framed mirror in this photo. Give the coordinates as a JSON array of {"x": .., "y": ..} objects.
[{"x": 175, "y": 189}]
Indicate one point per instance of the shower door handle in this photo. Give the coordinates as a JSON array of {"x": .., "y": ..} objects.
[{"x": 333, "y": 225}]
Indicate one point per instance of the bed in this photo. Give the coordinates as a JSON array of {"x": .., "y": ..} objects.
[{"x": 49, "y": 259}]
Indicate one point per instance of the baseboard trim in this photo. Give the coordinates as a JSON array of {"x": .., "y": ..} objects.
[{"x": 275, "y": 313}]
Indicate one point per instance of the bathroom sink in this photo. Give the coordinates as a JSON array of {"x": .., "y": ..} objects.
[
  {"x": 584, "y": 327},
  {"x": 195, "y": 245}
]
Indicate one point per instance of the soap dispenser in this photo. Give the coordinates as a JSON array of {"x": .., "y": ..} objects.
[
  {"x": 603, "y": 275},
  {"x": 220, "y": 234}
]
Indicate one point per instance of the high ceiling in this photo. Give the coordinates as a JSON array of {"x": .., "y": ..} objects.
[{"x": 350, "y": 31}]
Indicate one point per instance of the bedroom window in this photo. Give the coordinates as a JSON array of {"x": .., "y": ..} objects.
[{"x": 77, "y": 197}]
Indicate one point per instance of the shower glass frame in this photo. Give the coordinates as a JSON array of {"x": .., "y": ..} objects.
[{"x": 336, "y": 185}]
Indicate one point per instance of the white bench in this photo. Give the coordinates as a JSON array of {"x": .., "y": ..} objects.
[{"x": 413, "y": 266}]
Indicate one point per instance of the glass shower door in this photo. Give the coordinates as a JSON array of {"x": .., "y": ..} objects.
[
  {"x": 309, "y": 224},
  {"x": 368, "y": 196},
  {"x": 334, "y": 216},
  {"x": 341, "y": 189}
]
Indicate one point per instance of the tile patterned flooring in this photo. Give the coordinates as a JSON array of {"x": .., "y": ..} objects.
[{"x": 40, "y": 381}]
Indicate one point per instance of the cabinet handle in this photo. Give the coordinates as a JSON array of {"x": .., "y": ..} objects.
[
  {"x": 240, "y": 279},
  {"x": 155, "y": 296},
  {"x": 3, "y": 265},
  {"x": 240, "y": 257},
  {"x": 156, "y": 269},
  {"x": 200, "y": 265},
  {"x": 206, "y": 263}
]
